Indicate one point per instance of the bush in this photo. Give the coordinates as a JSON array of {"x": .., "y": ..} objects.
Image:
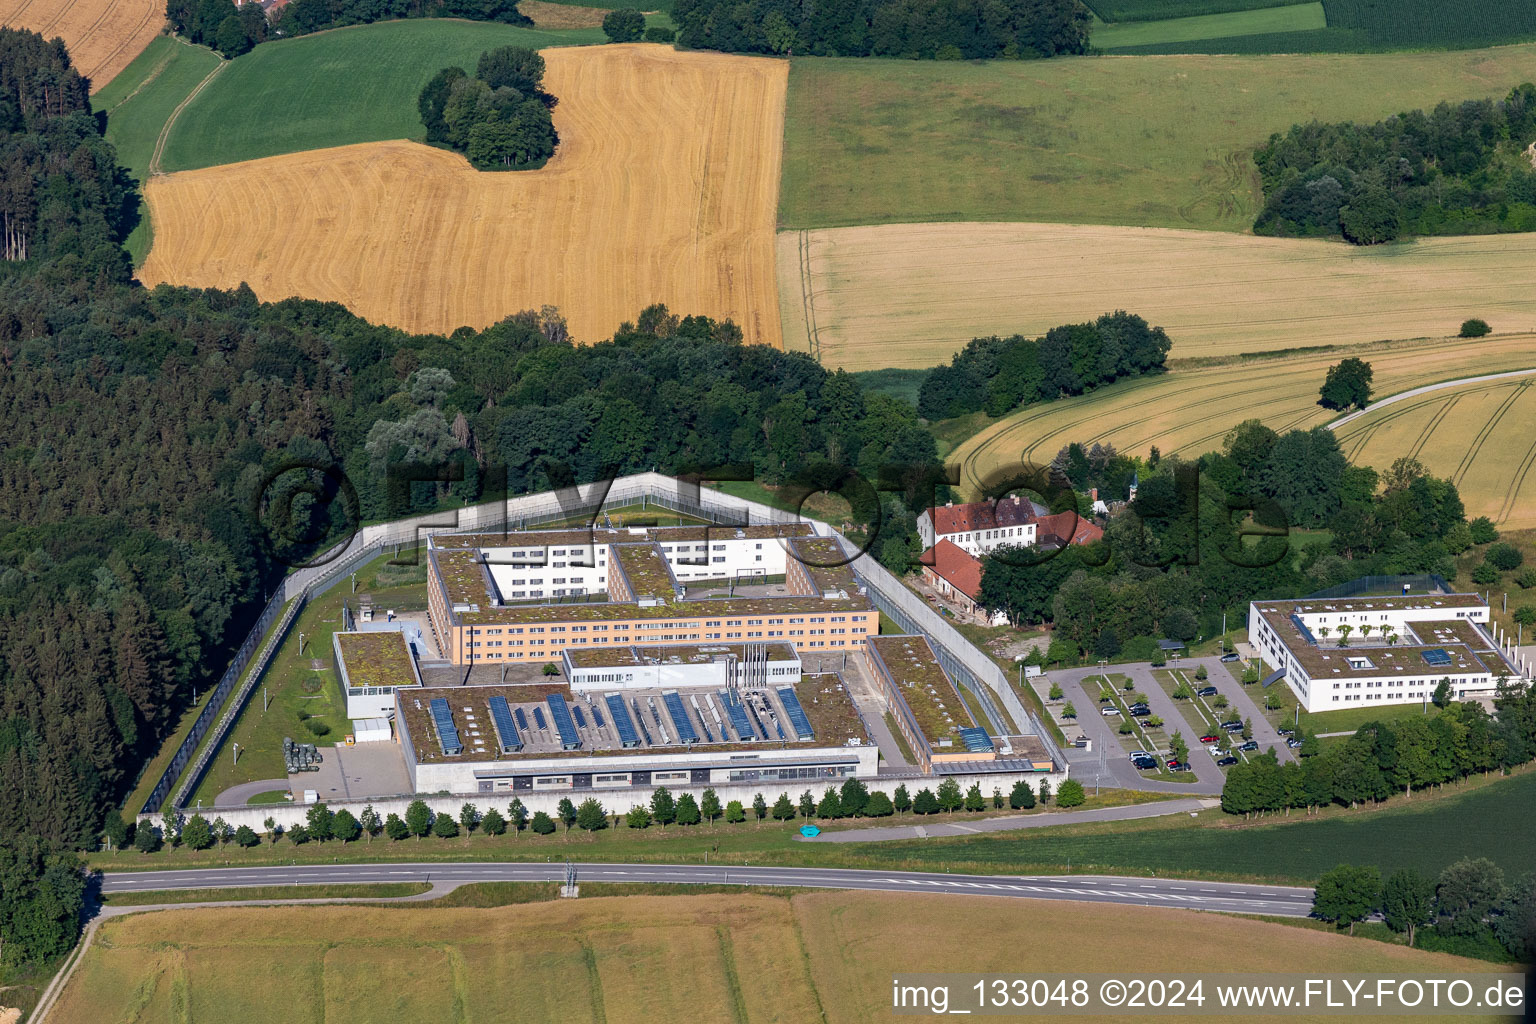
[
  {"x": 1023, "y": 796},
  {"x": 543, "y": 824},
  {"x": 1482, "y": 530},
  {"x": 1140, "y": 648},
  {"x": 658, "y": 34},
  {"x": 879, "y": 806},
  {"x": 1485, "y": 574},
  {"x": 1126, "y": 728},
  {"x": 1505, "y": 557},
  {"x": 1202, "y": 673},
  {"x": 1070, "y": 794},
  {"x": 1474, "y": 328},
  {"x": 1526, "y": 579},
  {"x": 623, "y": 26},
  {"x": 316, "y": 727},
  {"x": 444, "y": 827}
]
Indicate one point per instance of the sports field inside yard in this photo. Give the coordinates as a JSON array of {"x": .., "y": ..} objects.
[
  {"x": 103, "y": 36},
  {"x": 1481, "y": 436},
  {"x": 911, "y": 295},
  {"x": 335, "y": 88},
  {"x": 1189, "y": 411},
  {"x": 1145, "y": 141},
  {"x": 662, "y": 190},
  {"x": 727, "y": 958}
]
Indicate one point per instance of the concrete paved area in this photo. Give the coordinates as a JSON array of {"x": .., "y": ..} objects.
[
  {"x": 356, "y": 773},
  {"x": 239, "y": 796},
  {"x": 1011, "y": 822}
]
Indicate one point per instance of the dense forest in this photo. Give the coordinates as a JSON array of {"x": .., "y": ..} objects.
[
  {"x": 1172, "y": 562},
  {"x": 142, "y": 426},
  {"x": 918, "y": 29},
  {"x": 500, "y": 118},
  {"x": 234, "y": 30},
  {"x": 1459, "y": 169},
  {"x": 1000, "y": 374}
]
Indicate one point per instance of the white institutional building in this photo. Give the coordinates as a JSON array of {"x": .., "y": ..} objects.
[{"x": 1344, "y": 652}]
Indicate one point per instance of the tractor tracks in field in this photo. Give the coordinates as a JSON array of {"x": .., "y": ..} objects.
[{"x": 170, "y": 122}]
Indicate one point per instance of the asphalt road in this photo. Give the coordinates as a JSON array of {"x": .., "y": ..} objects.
[{"x": 1230, "y": 897}]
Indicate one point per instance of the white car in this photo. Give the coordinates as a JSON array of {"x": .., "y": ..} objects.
[
  {"x": 1215, "y": 750},
  {"x": 1110, "y": 711}
]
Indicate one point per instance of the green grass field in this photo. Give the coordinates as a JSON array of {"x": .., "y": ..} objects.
[
  {"x": 1162, "y": 10},
  {"x": 1292, "y": 18},
  {"x": 137, "y": 104},
  {"x": 1162, "y": 142},
  {"x": 334, "y": 88}
]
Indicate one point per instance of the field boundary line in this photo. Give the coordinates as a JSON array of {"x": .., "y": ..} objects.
[
  {"x": 128, "y": 37},
  {"x": 165, "y": 129},
  {"x": 808, "y": 295},
  {"x": 1401, "y": 395}
]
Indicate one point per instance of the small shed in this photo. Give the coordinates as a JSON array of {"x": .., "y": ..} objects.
[{"x": 371, "y": 730}]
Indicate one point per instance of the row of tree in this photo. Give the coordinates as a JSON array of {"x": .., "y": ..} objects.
[
  {"x": 1001, "y": 374},
  {"x": 233, "y": 30},
  {"x": 853, "y": 799},
  {"x": 1459, "y": 169},
  {"x": 1383, "y": 758},
  {"x": 1468, "y": 900},
  {"x": 917, "y": 29},
  {"x": 500, "y": 118}
]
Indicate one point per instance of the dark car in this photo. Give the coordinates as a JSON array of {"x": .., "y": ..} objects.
[
  {"x": 1293, "y": 744},
  {"x": 1174, "y": 765},
  {"x": 1250, "y": 745},
  {"x": 1232, "y": 726},
  {"x": 1209, "y": 739},
  {"x": 1226, "y": 762},
  {"x": 1180, "y": 767},
  {"x": 1206, "y": 691},
  {"x": 1140, "y": 712},
  {"x": 1229, "y": 656},
  {"x": 1144, "y": 763},
  {"x": 1139, "y": 706},
  {"x": 1286, "y": 732}
]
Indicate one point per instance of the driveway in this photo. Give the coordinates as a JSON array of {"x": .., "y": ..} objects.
[
  {"x": 239, "y": 796},
  {"x": 1114, "y": 767}
]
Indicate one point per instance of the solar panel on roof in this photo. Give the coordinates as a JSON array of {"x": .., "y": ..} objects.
[
  {"x": 522, "y": 719},
  {"x": 1435, "y": 656},
  {"x": 570, "y": 739},
  {"x": 737, "y": 713},
  {"x": 597, "y": 716},
  {"x": 581, "y": 720},
  {"x": 680, "y": 721},
  {"x": 976, "y": 739},
  {"x": 506, "y": 730},
  {"x": 622, "y": 723},
  {"x": 447, "y": 732},
  {"x": 538, "y": 719},
  {"x": 797, "y": 719}
]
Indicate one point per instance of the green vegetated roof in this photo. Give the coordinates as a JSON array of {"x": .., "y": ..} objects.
[
  {"x": 376, "y": 659},
  {"x": 645, "y": 569},
  {"x": 935, "y": 704}
]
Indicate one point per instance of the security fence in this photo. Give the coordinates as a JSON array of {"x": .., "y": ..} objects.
[{"x": 1365, "y": 584}]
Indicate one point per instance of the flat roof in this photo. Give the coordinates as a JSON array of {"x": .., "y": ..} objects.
[
  {"x": 1468, "y": 651},
  {"x": 380, "y": 658},
  {"x": 1387, "y": 602},
  {"x": 620, "y": 535},
  {"x": 826, "y": 563},
  {"x": 676, "y": 654},
  {"x": 701, "y": 608},
  {"x": 936, "y": 705},
  {"x": 645, "y": 569},
  {"x": 828, "y": 706}
]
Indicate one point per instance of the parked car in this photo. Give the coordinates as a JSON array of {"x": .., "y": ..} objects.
[
  {"x": 1140, "y": 712},
  {"x": 1250, "y": 745},
  {"x": 1286, "y": 732},
  {"x": 1226, "y": 762},
  {"x": 1209, "y": 739},
  {"x": 1215, "y": 750},
  {"x": 1140, "y": 753},
  {"x": 1206, "y": 691},
  {"x": 1107, "y": 712},
  {"x": 1174, "y": 765},
  {"x": 1144, "y": 764},
  {"x": 1181, "y": 767},
  {"x": 1230, "y": 656},
  {"x": 1293, "y": 743},
  {"x": 1232, "y": 726}
]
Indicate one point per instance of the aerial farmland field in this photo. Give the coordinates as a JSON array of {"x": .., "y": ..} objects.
[
  {"x": 103, "y": 36},
  {"x": 662, "y": 190},
  {"x": 1188, "y": 411},
  {"x": 1145, "y": 141},
  {"x": 1482, "y": 436},
  {"x": 335, "y": 88},
  {"x": 910, "y": 295},
  {"x": 717, "y": 958}
]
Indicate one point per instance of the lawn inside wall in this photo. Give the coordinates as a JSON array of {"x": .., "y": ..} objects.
[{"x": 1477, "y": 817}]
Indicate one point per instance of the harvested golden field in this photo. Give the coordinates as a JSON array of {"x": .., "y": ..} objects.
[
  {"x": 102, "y": 35},
  {"x": 1189, "y": 410},
  {"x": 662, "y": 190},
  {"x": 555, "y": 16},
  {"x": 1482, "y": 436},
  {"x": 740, "y": 957},
  {"x": 910, "y": 295}
]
